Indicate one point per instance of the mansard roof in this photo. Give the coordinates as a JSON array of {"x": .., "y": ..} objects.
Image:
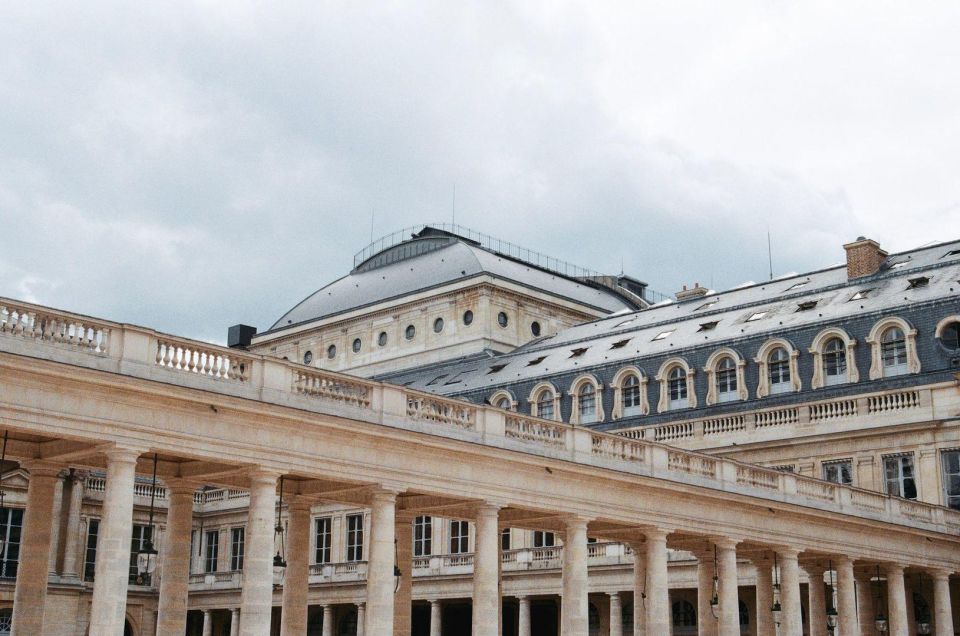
[
  {"x": 765, "y": 310},
  {"x": 430, "y": 259}
]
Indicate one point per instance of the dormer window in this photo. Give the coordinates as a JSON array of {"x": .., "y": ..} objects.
[
  {"x": 496, "y": 368},
  {"x": 727, "y": 380},
  {"x": 708, "y": 326},
  {"x": 757, "y": 316},
  {"x": 893, "y": 350},
  {"x": 951, "y": 253},
  {"x": 835, "y": 361},
  {"x": 778, "y": 370},
  {"x": 663, "y": 335},
  {"x": 631, "y": 395},
  {"x": 707, "y": 305},
  {"x": 797, "y": 285},
  {"x": 536, "y": 361},
  {"x": 576, "y": 353},
  {"x": 918, "y": 282},
  {"x": 677, "y": 388},
  {"x": 807, "y": 305},
  {"x": 860, "y": 295},
  {"x": 619, "y": 344},
  {"x": 587, "y": 403}
]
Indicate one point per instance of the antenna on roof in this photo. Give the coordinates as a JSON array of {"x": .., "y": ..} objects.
[
  {"x": 453, "y": 208},
  {"x": 769, "y": 253},
  {"x": 372, "y": 212}
]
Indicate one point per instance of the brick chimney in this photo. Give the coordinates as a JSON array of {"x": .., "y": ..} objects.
[
  {"x": 696, "y": 292},
  {"x": 864, "y": 257}
]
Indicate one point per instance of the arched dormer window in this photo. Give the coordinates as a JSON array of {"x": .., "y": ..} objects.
[
  {"x": 725, "y": 383},
  {"x": 587, "y": 401},
  {"x": 676, "y": 386},
  {"x": 833, "y": 359},
  {"x": 778, "y": 368},
  {"x": 503, "y": 400},
  {"x": 545, "y": 401},
  {"x": 630, "y": 393},
  {"x": 893, "y": 349}
]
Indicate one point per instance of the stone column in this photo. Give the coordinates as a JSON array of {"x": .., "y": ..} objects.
[
  {"x": 639, "y": 589},
  {"x": 658, "y": 589},
  {"x": 174, "y": 580},
  {"x": 942, "y": 609},
  {"x": 109, "y": 605},
  {"x": 436, "y": 618},
  {"x": 846, "y": 598},
  {"x": 207, "y": 623},
  {"x": 403, "y": 597},
  {"x": 486, "y": 571},
  {"x": 380, "y": 563},
  {"x": 234, "y": 622},
  {"x": 816, "y": 602},
  {"x": 256, "y": 596},
  {"x": 71, "y": 547},
  {"x": 729, "y": 623},
  {"x": 616, "y": 614},
  {"x": 30, "y": 591},
  {"x": 764, "y": 593},
  {"x": 55, "y": 519},
  {"x": 361, "y": 617},
  {"x": 574, "y": 614},
  {"x": 327, "y": 621},
  {"x": 897, "y": 600},
  {"x": 790, "y": 593},
  {"x": 293, "y": 617},
  {"x": 706, "y": 623},
  {"x": 866, "y": 604}
]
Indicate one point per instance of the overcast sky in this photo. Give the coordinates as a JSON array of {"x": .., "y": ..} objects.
[{"x": 191, "y": 166}]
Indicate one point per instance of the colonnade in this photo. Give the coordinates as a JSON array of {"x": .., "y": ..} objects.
[{"x": 652, "y": 617}]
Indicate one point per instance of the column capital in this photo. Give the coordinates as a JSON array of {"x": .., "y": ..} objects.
[
  {"x": 573, "y": 521},
  {"x": 122, "y": 454},
  {"x": 179, "y": 487},
  {"x": 613, "y": 594},
  {"x": 844, "y": 560},
  {"x": 725, "y": 543},
  {"x": 40, "y": 468},
  {"x": 381, "y": 494},
  {"x": 488, "y": 509},
  {"x": 656, "y": 533},
  {"x": 262, "y": 476},
  {"x": 787, "y": 552},
  {"x": 299, "y": 504},
  {"x": 892, "y": 568},
  {"x": 939, "y": 574}
]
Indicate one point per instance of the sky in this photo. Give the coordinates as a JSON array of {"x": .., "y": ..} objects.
[{"x": 189, "y": 166}]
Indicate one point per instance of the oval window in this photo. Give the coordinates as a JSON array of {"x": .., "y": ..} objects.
[
  {"x": 308, "y": 357},
  {"x": 332, "y": 351},
  {"x": 382, "y": 339},
  {"x": 467, "y": 317},
  {"x": 535, "y": 328},
  {"x": 410, "y": 332},
  {"x": 438, "y": 325},
  {"x": 502, "y": 319},
  {"x": 950, "y": 336},
  {"x": 356, "y": 345}
]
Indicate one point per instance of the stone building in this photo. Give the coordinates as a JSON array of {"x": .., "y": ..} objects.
[{"x": 569, "y": 447}]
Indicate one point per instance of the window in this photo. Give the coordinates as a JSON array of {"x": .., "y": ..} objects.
[
  {"x": 324, "y": 537},
  {"x": 410, "y": 332},
  {"x": 684, "y": 615},
  {"x": 727, "y": 380},
  {"x": 11, "y": 525},
  {"x": 504, "y": 403},
  {"x": 893, "y": 352},
  {"x": 951, "y": 478},
  {"x": 467, "y": 317},
  {"x": 459, "y": 537},
  {"x": 438, "y": 325},
  {"x": 211, "y": 548},
  {"x": 354, "y": 537},
  {"x": 535, "y": 328},
  {"x": 308, "y": 357},
  {"x": 950, "y": 336},
  {"x": 839, "y": 471},
  {"x": 756, "y": 316},
  {"x": 237, "y": 536},
  {"x": 807, "y": 305},
  {"x": 382, "y": 339},
  {"x": 663, "y": 335},
  {"x": 708, "y": 326},
  {"x": 631, "y": 396},
  {"x": 835, "y": 361},
  {"x": 778, "y": 370},
  {"x": 624, "y": 323},
  {"x": 423, "y": 536},
  {"x": 505, "y": 539},
  {"x": 860, "y": 295},
  {"x": 90, "y": 554},
  {"x": 587, "y": 403},
  {"x": 543, "y": 539},
  {"x": 918, "y": 282},
  {"x": 502, "y": 319},
  {"x": 899, "y": 476},
  {"x": 6, "y": 622},
  {"x": 357, "y": 345},
  {"x": 332, "y": 352},
  {"x": 545, "y": 404},
  {"x": 677, "y": 388}
]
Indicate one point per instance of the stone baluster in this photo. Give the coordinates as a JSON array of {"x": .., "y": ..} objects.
[
  {"x": 380, "y": 583},
  {"x": 574, "y": 614},
  {"x": 846, "y": 598},
  {"x": 296, "y": 579},
  {"x": 30, "y": 591},
  {"x": 616, "y": 614},
  {"x": 172, "y": 606},
  {"x": 729, "y": 623},
  {"x": 486, "y": 572},
  {"x": 658, "y": 583},
  {"x": 943, "y": 611},
  {"x": 790, "y": 592},
  {"x": 896, "y": 600},
  {"x": 256, "y": 596}
]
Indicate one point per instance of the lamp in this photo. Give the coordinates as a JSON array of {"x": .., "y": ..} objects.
[
  {"x": 147, "y": 555},
  {"x": 832, "y": 616},
  {"x": 279, "y": 563},
  {"x": 715, "y": 598},
  {"x": 776, "y": 609},
  {"x": 880, "y": 622},
  {"x": 397, "y": 573}
]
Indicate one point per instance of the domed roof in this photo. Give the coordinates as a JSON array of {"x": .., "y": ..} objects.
[{"x": 434, "y": 258}]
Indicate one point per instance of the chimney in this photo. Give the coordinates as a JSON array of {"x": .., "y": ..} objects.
[
  {"x": 696, "y": 292},
  {"x": 864, "y": 257}
]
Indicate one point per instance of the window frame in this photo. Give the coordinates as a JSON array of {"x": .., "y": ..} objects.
[
  {"x": 675, "y": 396},
  {"x": 237, "y": 547},
  {"x": 459, "y": 536},
  {"x": 354, "y": 537},
  {"x": 323, "y": 540},
  {"x": 900, "y": 479},
  {"x": 423, "y": 536}
]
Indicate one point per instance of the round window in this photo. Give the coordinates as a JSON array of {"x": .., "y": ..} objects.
[
  {"x": 438, "y": 325},
  {"x": 950, "y": 336},
  {"x": 332, "y": 351},
  {"x": 410, "y": 332},
  {"x": 382, "y": 339},
  {"x": 308, "y": 357},
  {"x": 535, "y": 328},
  {"x": 502, "y": 319},
  {"x": 356, "y": 345},
  {"x": 467, "y": 317}
]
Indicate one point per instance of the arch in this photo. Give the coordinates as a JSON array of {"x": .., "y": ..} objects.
[
  {"x": 877, "y": 367},
  {"x": 618, "y": 383},
  {"x": 534, "y": 400},
  {"x": 763, "y": 355},
  {"x": 713, "y": 394},
  {"x": 579, "y": 392},
  {"x": 130, "y": 626},
  {"x": 500, "y": 396},
  {"x": 817, "y": 349},
  {"x": 663, "y": 377},
  {"x": 684, "y": 614}
]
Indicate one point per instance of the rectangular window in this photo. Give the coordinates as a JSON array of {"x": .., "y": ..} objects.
[
  {"x": 90, "y": 555},
  {"x": 505, "y": 539},
  {"x": 839, "y": 471},
  {"x": 11, "y": 525},
  {"x": 423, "y": 536},
  {"x": 459, "y": 537},
  {"x": 354, "y": 537},
  {"x": 236, "y": 548},
  {"x": 212, "y": 548},
  {"x": 141, "y": 535},
  {"x": 324, "y": 535},
  {"x": 951, "y": 478},
  {"x": 899, "y": 476},
  {"x": 543, "y": 539}
]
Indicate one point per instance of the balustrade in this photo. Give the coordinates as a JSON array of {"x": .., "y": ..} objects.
[
  {"x": 887, "y": 402},
  {"x": 332, "y": 387},
  {"x": 832, "y": 410},
  {"x": 616, "y": 447},
  {"x": 721, "y": 425},
  {"x": 778, "y": 417},
  {"x": 536, "y": 430},
  {"x": 207, "y": 360},
  {"x": 35, "y": 323},
  {"x": 670, "y": 432},
  {"x": 422, "y": 406}
]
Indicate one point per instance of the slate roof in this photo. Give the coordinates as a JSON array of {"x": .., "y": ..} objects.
[{"x": 624, "y": 339}]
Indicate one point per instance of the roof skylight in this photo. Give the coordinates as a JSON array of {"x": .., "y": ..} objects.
[
  {"x": 951, "y": 253},
  {"x": 496, "y": 368},
  {"x": 807, "y": 305},
  {"x": 536, "y": 361},
  {"x": 576, "y": 353},
  {"x": 708, "y": 304},
  {"x": 619, "y": 344},
  {"x": 918, "y": 282},
  {"x": 757, "y": 316},
  {"x": 663, "y": 335},
  {"x": 797, "y": 285},
  {"x": 863, "y": 293},
  {"x": 707, "y": 326}
]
